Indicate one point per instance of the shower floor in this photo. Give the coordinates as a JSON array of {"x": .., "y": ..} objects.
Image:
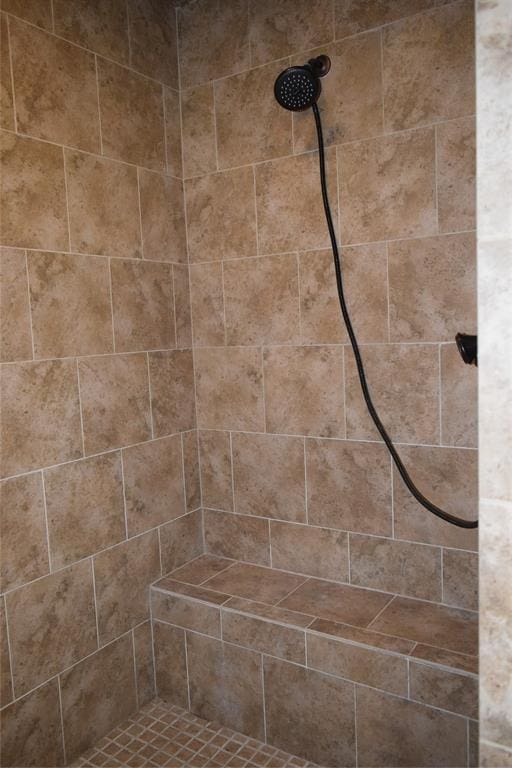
[{"x": 161, "y": 734}]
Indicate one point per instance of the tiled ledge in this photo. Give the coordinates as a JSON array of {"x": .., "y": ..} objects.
[{"x": 411, "y": 648}]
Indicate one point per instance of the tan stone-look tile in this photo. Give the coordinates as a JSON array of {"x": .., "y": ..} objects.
[
  {"x": 387, "y": 187},
  {"x": 6, "y": 95},
  {"x": 439, "y": 625},
  {"x": 87, "y": 712},
  {"x": 153, "y": 43},
  {"x": 448, "y": 477},
  {"x": 264, "y": 585},
  {"x": 52, "y": 624},
  {"x": 131, "y": 109},
  {"x": 269, "y": 476},
  {"x": 225, "y": 684},
  {"x": 460, "y": 578},
  {"x": 337, "y": 602},
  {"x": 262, "y": 300},
  {"x": 143, "y": 305},
  {"x": 304, "y": 390},
  {"x": 102, "y": 27},
  {"x": 85, "y": 507},
  {"x": 40, "y": 423},
  {"x": 115, "y": 401},
  {"x": 273, "y": 613},
  {"x": 307, "y": 549},
  {"x": 201, "y": 569},
  {"x": 216, "y": 471},
  {"x": 31, "y": 729},
  {"x": 213, "y": 40},
  {"x": 281, "y": 28},
  {"x": 365, "y": 283},
  {"x": 432, "y": 288},
  {"x": 404, "y": 382},
  {"x": 396, "y": 566},
  {"x": 446, "y": 658},
  {"x": 229, "y": 388},
  {"x": 237, "y": 536},
  {"x": 459, "y": 407},
  {"x": 394, "y": 731},
  {"x": 349, "y": 486},
  {"x": 144, "y": 670},
  {"x": 182, "y": 311},
  {"x": 324, "y": 713},
  {"x": 6, "y": 692},
  {"x": 70, "y": 305},
  {"x": 169, "y": 586},
  {"x": 363, "y": 636},
  {"x": 173, "y": 132},
  {"x": 38, "y": 12},
  {"x": 456, "y": 174},
  {"x": 221, "y": 215},
  {"x": 492, "y": 756},
  {"x": 428, "y": 63},
  {"x": 15, "y": 330},
  {"x": 55, "y": 87},
  {"x": 351, "y": 103},
  {"x": 473, "y": 744},
  {"x": 379, "y": 670},
  {"x": 153, "y": 477},
  {"x": 290, "y": 211},
  {"x": 352, "y": 16},
  {"x": 198, "y": 120},
  {"x": 122, "y": 577},
  {"x": 207, "y": 302},
  {"x": 33, "y": 194},
  {"x": 264, "y": 636},
  {"x": 250, "y": 124},
  {"x": 191, "y": 470},
  {"x": 103, "y": 206},
  {"x": 446, "y": 690},
  {"x": 185, "y": 613},
  {"x": 162, "y": 217},
  {"x": 170, "y": 664},
  {"x": 172, "y": 391},
  {"x": 181, "y": 540}
]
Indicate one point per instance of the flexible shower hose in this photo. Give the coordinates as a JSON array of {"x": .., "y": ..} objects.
[{"x": 460, "y": 522}]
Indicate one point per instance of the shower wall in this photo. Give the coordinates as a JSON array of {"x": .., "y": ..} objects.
[
  {"x": 292, "y": 472},
  {"x": 99, "y": 450}
]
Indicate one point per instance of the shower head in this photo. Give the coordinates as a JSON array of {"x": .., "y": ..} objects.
[{"x": 298, "y": 88}]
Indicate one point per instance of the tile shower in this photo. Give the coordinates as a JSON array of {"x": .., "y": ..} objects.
[{"x": 179, "y": 396}]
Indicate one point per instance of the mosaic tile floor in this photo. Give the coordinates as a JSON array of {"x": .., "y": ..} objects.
[{"x": 164, "y": 735}]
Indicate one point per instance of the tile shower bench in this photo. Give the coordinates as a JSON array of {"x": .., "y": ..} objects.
[{"x": 336, "y": 674}]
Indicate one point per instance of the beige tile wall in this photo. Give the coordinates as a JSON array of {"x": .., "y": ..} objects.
[
  {"x": 292, "y": 472},
  {"x": 99, "y": 448}
]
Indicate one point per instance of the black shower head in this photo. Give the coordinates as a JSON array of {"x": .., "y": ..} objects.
[{"x": 298, "y": 88}]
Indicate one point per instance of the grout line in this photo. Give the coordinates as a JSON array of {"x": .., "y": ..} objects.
[
  {"x": 153, "y": 654},
  {"x": 232, "y": 472},
  {"x": 132, "y": 632},
  {"x": 392, "y": 487},
  {"x": 306, "y": 502},
  {"x": 368, "y": 626},
  {"x": 174, "y": 297},
  {"x": 183, "y": 475},
  {"x": 440, "y": 394},
  {"x": 215, "y": 136},
  {"x": 186, "y": 668},
  {"x": 262, "y": 667},
  {"x": 98, "y": 98},
  {"x": 344, "y": 379},
  {"x": 80, "y": 409},
  {"x": 436, "y": 192},
  {"x": 9, "y": 649},
  {"x": 111, "y": 305},
  {"x": 61, "y": 710},
  {"x": 299, "y": 297},
  {"x": 263, "y": 393},
  {"x": 355, "y": 726},
  {"x": 442, "y": 575},
  {"x": 408, "y": 679},
  {"x": 95, "y": 601},
  {"x": 140, "y": 213},
  {"x": 382, "y": 83},
  {"x": 388, "y": 296},
  {"x": 65, "y": 173},
  {"x": 46, "y": 523},
  {"x": 160, "y": 551},
  {"x": 255, "y": 196},
  {"x": 269, "y": 542},
  {"x": 9, "y": 44},
  {"x": 224, "y": 303},
  {"x": 29, "y": 307},
  {"x": 349, "y": 560},
  {"x": 150, "y": 395},
  {"x": 164, "y": 116},
  {"x": 123, "y": 482}
]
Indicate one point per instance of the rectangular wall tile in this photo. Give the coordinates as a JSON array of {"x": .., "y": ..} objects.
[
  {"x": 101, "y": 28},
  {"x": 162, "y": 217},
  {"x": 459, "y": 399},
  {"x": 264, "y": 636},
  {"x": 170, "y": 664},
  {"x": 456, "y": 174},
  {"x": 370, "y": 667},
  {"x": 446, "y": 690},
  {"x": 172, "y": 391},
  {"x": 70, "y": 305},
  {"x": 34, "y": 198},
  {"x": 216, "y": 470},
  {"x": 38, "y": 12},
  {"x": 55, "y": 87},
  {"x": 153, "y": 477},
  {"x": 207, "y": 300},
  {"x": 387, "y": 187},
  {"x": 269, "y": 478},
  {"x": 153, "y": 40},
  {"x": 88, "y": 714},
  {"x": 182, "y": 311},
  {"x": 325, "y": 713},
  {"x": 460, "y": 578},
  {"x": 237, "y": 536},
  {"x": 24, "y": 549},
  {"x": 396, "y": 566},
  {"x": 198, "y": 117},
  {"x": 85, "y": 507},
  {"x": 304, "y": 390},
  {"x": 40, "y": 424},
  {"x": 181, "y": 540},
  {"x": 115, "y": 401},
  {"x": 6, "y": 94},
  {"x": 15, "y": 329},
  {"x": 122, "y": 578},
  {"x": 185, "y": 613},
  {"x": 229, "y": 388},
  {"x": 173, "y": 132},
  {"x": 6, "y": 692},
  {"x": 349, "y": 486},
  {"x": 52, "y": 624},
  {"x": 307, "y": 549}
]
